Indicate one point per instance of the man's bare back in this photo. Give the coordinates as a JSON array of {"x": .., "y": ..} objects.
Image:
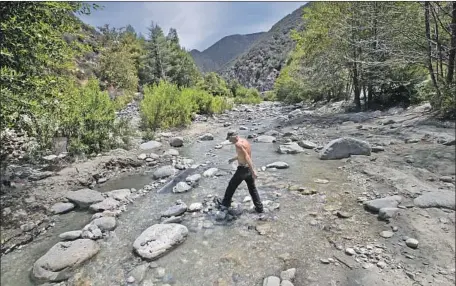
[{"x": 240, "y": 145}]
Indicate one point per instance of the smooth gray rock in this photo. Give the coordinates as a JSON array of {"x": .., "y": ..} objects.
[
  {"x": 163, "y": 172},
  {"x": 387, "y": 213},
  {"x": 71, "y": 235},
  {"x": 58, "y": 263},
  {"x": 265, "y": 139},
  {"x": 85, "y": 197},
  {"x": 412, "y": 243},
  {"x": 150, "y": 145},
  {"x": 176, "y": 142},
  {"x": 175, "y": 210},
  {"x": 286, "y": 283},
  {"x": 105, "y": 223},
  {"x": 288, "y": 274},
  {"x": 387, "y": 202},
  {"x": 120, "y": 195},
  {"x": 142, "y": 156},
  {"x": 377, "y": 149},
  {"x": 386, "y": 234},
  {"x": 139, "y": 272},
  {"x": 159, "y": 239},
  {"x": 344, "y": 148},
  {"x": 60, "y": 208},
  {"x": 210, "y": 172},
  {"x": 171, "y": 152},
  {"x": 278, "y": 165},
  {"x": 436, "y": 199},
  {"x": 271, "y": 281},
  {"x": 206, "y": 137},
  {"x": 307, "y": 144},
  {"x": 195, "y": 207},
  {"x": 290, "y": 148},
  {"x": 193, "y": 178},
  {"x": 106, "y": 204},
  {"x": 181, "y": 187}
]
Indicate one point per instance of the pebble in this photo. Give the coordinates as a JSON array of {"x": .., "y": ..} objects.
[
  {"x": 350, "y": 251},
  {"x": 381, "y": 264},
  {"x": 131, "y": 279},
  {"x": 412, "y": 243},
  {"x": 288, "y": 274},
  {"x": 386, "y": 234},
  {"x": 324, "y": 261}
]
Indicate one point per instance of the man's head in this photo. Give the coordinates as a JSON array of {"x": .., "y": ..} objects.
[{"x": 232, "y": 136}]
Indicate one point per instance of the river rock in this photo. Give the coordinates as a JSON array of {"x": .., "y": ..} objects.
[
  {"x": 278, "y": 165},
  {"x": 412, "y": 243},
  {"x": 176, "y": 142},
  {"x": 139, "y": 272},
  {"x": 58, "y": 263},
  {"x": 210, "y": 172},
  {"x": 142, "y": 156},
  {"x": 195, "y": 207},
  {"x": 105, "y": 223},
  {"x": 387, "y": 213},
  {"x": 150, "y": 145},
  {"x": 436, "y": 199},
  {"x": 175, "y": 210},
  {"x": 173, "y": 219},
  {"x": 181, "y": 187},
  {"x": 344, "y": 148},
  {"x": 106, "y": 204},
  {"x": 290, "y": 148},
  {"x": 206, "y": 137},
  {"x": 193, "y": 178},
  {"x": 265, "y": 139},
  {"x": 159, "y": 239},
  {"x": 171, "y": 152},
  {"x": 377, "y": 149},
  {"x": 386, "y": 234},
  {"x": 387, "y": 202},
  {"x": 120, "y": 195},
  {"x": 307, "y": 144},
  {"x": 71, "y": 235},
  {"x": 288, "y": 274},
  {"x": 85, "y": 197},
  {"x": 286, "y": 283},
  {"x": 91, "y": 231},
  {"x": 60, "y": 208},
  {"x": 163, "y": 172},
  {"x": 271, "y": 281}
]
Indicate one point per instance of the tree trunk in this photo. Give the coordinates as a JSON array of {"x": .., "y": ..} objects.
[
  {"x": 429, "y": 49},
  {"x": 452, "y": 54}
]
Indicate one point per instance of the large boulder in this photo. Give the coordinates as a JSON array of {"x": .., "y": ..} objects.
[
  {"x": 344, "y": 148},
  {"x": 265, "y": 139},
  {"x": 290, "y": 148},
  {"x": 150, "y": 145},
  {"x": 387, "y": 202},
  {"x": 159, "y": 239},
  {"x": 164, "y": 172},
  {"x": 58, "y": 263},
  {"x": 436, "y": 199},
  {"x": 176, "y": 142},
  {"x": 206, "y": 137},
  {"x": 85, "y": 197}
]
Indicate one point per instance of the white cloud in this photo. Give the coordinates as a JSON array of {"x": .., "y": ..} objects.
[{"x": 194, "y": 21}]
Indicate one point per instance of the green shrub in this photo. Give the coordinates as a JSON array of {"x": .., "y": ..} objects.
[
  {"x": 247, "y": 96},
  {"x": 165, "y": 106},
  {"x": 270, "y": 95},
  {"x": 87, "y": 117}
]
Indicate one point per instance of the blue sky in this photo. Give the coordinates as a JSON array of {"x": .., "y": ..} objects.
[{"x": 199, "y": 24}]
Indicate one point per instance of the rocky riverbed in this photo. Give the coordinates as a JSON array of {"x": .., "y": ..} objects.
[{"x": 351, "y": 199}]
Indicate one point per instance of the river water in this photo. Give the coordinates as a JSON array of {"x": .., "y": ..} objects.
[{"x": 231, "y": 253}]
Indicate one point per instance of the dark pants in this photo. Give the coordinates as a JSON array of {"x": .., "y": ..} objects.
[{"x": 243, "y": 173}]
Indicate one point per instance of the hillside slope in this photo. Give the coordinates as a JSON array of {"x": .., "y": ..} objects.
[
  {"x": 223, "y": 51},
  {"x": 260, "y": 65}
]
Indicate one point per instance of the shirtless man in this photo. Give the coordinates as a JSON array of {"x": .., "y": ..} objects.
[{"x": 245, "y": 172}]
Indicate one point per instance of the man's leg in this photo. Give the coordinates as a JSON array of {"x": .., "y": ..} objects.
[
  {"x": 254, "y": 193},
  {"x": 235, "y": 181}
]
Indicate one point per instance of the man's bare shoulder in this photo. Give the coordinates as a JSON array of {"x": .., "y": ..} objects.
[{"x": 242, "y": 144}]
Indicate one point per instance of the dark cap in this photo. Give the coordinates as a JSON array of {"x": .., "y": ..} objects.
[{"x": 230, "y": 134}]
